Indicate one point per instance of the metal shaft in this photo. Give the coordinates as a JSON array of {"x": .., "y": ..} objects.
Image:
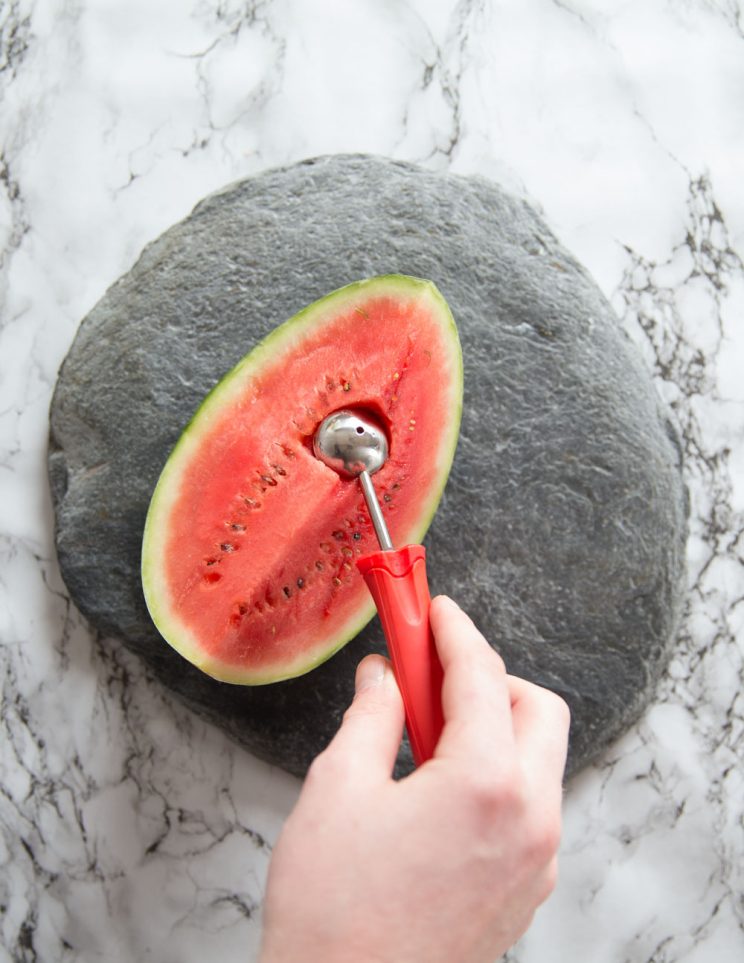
[{"x": 375, "y": 512}]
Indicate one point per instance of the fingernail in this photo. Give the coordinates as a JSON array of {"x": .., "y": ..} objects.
[{"x": 370, "y": 672}]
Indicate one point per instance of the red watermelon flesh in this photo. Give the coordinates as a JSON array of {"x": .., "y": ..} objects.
[{"x": 250, "y": 541}]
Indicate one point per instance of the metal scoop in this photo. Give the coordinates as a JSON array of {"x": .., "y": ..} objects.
[{"x": 354, "y": 445}]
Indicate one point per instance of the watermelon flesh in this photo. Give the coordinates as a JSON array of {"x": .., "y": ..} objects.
[{"x": 249, "y": 549}]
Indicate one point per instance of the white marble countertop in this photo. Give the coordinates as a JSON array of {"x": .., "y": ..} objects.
[{"x": 133, "y": 831}]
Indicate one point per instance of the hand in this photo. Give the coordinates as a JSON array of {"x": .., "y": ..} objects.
[{"x": 449, "y": 864}]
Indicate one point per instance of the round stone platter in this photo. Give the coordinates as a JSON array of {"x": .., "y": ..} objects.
[{"x": 563, "y": 524}]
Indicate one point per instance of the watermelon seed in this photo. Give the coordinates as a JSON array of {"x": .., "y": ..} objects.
[
  {"x": 386, "y": 497},
  {"x": 252, "y": 503},
  {"x": 346, "y": 551},
  {"x": 227, "y": 547},
  {"x": 237, "y": 527},
  {"x": 287, "y": 591},
  {"x": 279, "y": 470},
  {"x": 240, "y": 610},
  {"x": 211, "y": 561},
  {"x": 347, "y": 386},
  {"x": 300, "y": 583},
  {"x": 357, "y": 536},
  {"x": 338, "y": 535},
  {"x": 319, "y": 565},
  {"x": 325, "y": 547},
  {"x": 269, "y": 480},
  {"x": 336, "y": 580}
]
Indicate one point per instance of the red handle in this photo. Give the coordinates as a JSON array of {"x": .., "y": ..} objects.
[{"x": 397, "y": 581}]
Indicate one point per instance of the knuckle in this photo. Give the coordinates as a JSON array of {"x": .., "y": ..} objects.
[
  {"x": 498, "y": 666},
  {"x": 327, "y": 767},
  {"x": 378, "y": 700},
  {"x": 549, "y": 880},
  {"x": 544, "y": 839},
  {"x": 559, "y": 708},
  {"x": 493, "y": 796},
  {"x": 370, "y": 704}
]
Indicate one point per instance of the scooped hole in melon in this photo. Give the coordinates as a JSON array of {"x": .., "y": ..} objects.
[{"x": 366, "y": 408}]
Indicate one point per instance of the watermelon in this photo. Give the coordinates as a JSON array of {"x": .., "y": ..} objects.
[{"x": 250, "y": 542}]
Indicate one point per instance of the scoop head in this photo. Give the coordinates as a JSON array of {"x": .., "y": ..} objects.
[{"x": 351, "y": 443}]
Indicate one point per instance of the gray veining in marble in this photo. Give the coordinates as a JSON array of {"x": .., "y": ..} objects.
[{"x": 133, "y": 831}]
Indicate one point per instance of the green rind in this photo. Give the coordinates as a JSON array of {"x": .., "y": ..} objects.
[{"x": 282, "y": 338}]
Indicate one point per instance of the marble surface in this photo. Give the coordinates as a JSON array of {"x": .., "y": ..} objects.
[{"x": 133, "y": 831}]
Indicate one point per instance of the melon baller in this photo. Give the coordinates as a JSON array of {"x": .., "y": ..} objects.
[{"x": 355, "y": 446}]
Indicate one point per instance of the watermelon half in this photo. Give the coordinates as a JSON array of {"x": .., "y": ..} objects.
[{"x": 250, "y": 541}]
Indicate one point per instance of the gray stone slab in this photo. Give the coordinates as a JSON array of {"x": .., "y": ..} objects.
[{"x": 563, "y": 525}]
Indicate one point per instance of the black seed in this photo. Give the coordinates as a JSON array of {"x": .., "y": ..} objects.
[
  {"x": 357, "y": 536},
  {"x": 287, "y": 591},
  {"x": 279, "y": 470},
  {"x": 300, "y": 583},
  {"x": 227, "y": 547},
  {"x": 387, "y": 498},
  {"x": 268, "y": 479},
  {"x": 237, "y": 527},
  {"x": 212, "y": 561}
]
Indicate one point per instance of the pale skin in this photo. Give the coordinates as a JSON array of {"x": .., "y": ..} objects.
[{"x": 447, "y": 865}]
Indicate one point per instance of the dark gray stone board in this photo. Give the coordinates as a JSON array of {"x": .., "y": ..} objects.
[{"x": 563, "y": 525}]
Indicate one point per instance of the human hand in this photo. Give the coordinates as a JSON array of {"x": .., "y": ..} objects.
[{"x": 447, "y": 865}]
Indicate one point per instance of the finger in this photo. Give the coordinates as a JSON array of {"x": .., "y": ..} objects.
[
  {"x": 475, "y": 695},
  {"x": 540, "y": 720},
  {"x": 369, "y": 738}
]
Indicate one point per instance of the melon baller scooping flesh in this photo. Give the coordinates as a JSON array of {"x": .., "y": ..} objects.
[{"x": 354, "y": 445}]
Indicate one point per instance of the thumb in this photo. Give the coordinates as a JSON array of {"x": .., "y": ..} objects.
[{"x": 372, "y": 727}]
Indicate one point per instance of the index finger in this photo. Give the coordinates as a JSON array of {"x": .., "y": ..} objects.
[{"x": 475, "y": 693}]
